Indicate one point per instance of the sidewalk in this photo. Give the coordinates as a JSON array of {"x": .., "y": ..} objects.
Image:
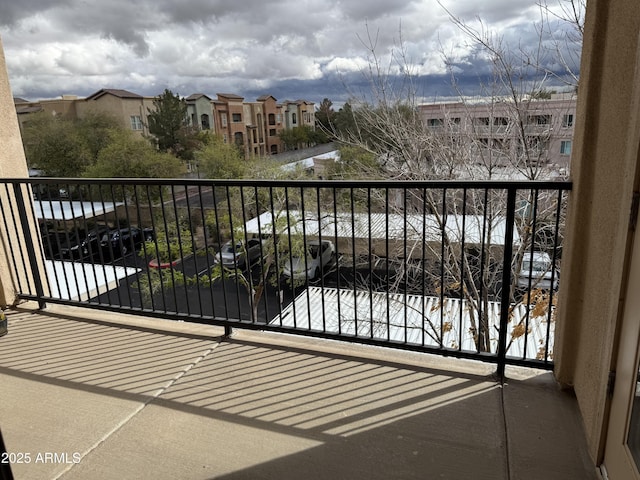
[{"x": 114, "y": 397}]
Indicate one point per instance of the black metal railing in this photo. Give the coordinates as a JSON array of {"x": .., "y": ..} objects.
[{"x": 468, "y": 269}]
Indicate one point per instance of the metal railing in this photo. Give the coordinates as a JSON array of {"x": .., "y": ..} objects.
[{"x": 466, "y": 269}]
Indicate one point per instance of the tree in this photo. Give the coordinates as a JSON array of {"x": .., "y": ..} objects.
[
  {"x": 169, "y": 123},
  {"x": 217, "y": 159},
  {"x": 55, "y": 146},
  {"x": 387, "y": 124},
  {"x": 130, "y": 157}
]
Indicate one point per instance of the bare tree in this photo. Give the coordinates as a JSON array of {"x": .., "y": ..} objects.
[{"x": 461, "y": 264}]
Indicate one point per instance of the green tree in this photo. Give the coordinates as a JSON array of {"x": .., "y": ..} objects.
[
  {"x": 127, "y": 156},
  {"x": 55, "y": 146},
  {"x": 217, "y": 159},
  {"x": 169, "y": 123}
]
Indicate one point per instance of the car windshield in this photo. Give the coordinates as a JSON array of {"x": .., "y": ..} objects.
[
  {"x": 313, "y": 251},
  {"x": 230, "y": 248},
  {"x": 536, "y": 266}
]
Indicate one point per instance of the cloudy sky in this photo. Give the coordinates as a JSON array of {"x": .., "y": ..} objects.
[{"x": 291, "y": 49}]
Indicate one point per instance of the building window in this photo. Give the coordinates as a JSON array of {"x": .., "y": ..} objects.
[
  {"x": 294, "y": 118},
  {"x": 136, "y": 122},
  {"x": 272, "y": 132},
  {"x": 236, "y": 117},
  {"x": 500, "y": 121},
  {"x": 567, "y": 121},
  {"x": 565, "y": 147},
  {"x": 224, "y": 120},
  {"x": 540, "y": 120},
  {"x": 204, "y": 122},
  {"x": 435, "y": 122},
  {"x": 238, "y": 138},
  {"x": 481, "y": 121},
  {"x": 272, "y": 119},
  {"x": 225, "y": 139},
  {"x": 279, "y": 118}
]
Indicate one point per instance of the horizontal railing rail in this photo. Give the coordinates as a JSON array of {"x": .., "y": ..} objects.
[{"x": 466, "y": 268}]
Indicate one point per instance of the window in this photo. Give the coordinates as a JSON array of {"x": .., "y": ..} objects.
[
  {"x": 225, "y": 139},
  {"x": 435, "y": 122},
  {"x": 482, "y": 121},
  {"x": 565, "y": 147},
  {"x": 279, "y": 118},
  {"x": 224, "y": 120},
  {"x": 236, "y": 117},
  {"x": 500, "y": 121},
  {"x": 204, "y": 122},
  {"x": 238, "y": 138},
  {"x": 540, "y": 120},
  {"x": 272, "y": 119},
  {"x": 567, "y": 121},
  {"x": 294, "y": 118},
  {"x": 136, "y": 122},
  {"x": 272, "y": 132}
]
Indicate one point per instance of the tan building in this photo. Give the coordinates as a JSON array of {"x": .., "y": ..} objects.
[
  {"x": 255, "y": 126},
  {"x": 131, "y": 108},
  {"x": 274, "y": 123},
  {"x": 546, "y": 130}
]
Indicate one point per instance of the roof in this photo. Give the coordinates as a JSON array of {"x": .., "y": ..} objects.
[
  {"x": 114, "y": 92},
  {"x": 20, "y": 100},
  {"x": 82, "y": 281},
  {"x": 263, "y": 98},
  {"x": 65, "y": 210},
  {"x": 196, "y": 96},
  {"x": 424, "y": 321},
  {"x": 28, "y": 109},
  {"x": 379, "y": 226},
  {"x": 230, "y": 96}
]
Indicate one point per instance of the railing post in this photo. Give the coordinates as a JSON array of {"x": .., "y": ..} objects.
[
  {"x": 505, "y": 299},
  {"x": 31, "y": 252}
]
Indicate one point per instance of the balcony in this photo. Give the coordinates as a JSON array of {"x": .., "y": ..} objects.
[
  {"x": 140, "y": 397},
  {"x": 162, "y": 344}
]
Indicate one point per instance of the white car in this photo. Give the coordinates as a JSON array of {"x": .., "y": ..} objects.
[
  {"x": 319, "y": 257},
  {"x": 537, "y": 268}
]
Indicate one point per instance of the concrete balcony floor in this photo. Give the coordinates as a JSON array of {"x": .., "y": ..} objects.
[{"x": 94, "y": 395}]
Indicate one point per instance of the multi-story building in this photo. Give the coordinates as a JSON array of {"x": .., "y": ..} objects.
[
  {"x": 273, "y": 123},
  {"x": 544, "y": 127},
  {"x": 254, "y": 126},
  {"x": 298, "y": 113},
  {"x": 200, "y": 111}
]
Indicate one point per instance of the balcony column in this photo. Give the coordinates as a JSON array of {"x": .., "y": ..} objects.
[
  {"x": 13, "y": 164},
  {"x": 604, "y": 171}
]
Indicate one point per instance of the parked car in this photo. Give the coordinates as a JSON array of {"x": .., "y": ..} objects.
[
  {"x": 121, "y": 241},
  {"x": 83, "y": 244},
  {"x": 52, "y": 240},
  {"x": 234, "y": 256},
  {"x": 319, "y": 257},
  {"x": 537, "y": 267}
]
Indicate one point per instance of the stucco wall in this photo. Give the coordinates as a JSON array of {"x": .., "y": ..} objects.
[
  {"x": 12, "y": 165},
  {"x": 603, "y": 170}
]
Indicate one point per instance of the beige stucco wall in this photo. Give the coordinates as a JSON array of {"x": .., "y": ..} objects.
[
  {"x": 604, "y": 171},
  {"x": 12, "y": 165}
]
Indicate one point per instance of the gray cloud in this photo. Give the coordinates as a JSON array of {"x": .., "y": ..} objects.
[{"x": 311, "y": 47}]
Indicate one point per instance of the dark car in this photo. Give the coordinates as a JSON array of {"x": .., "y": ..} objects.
[
  {"x": 121, "y": 241},
  {"x": 83, "y": 244}
]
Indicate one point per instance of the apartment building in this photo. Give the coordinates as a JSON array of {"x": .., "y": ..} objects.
[
  {"x": 298, "y": 113},
  {"x": 254, "y": 126},
  {"x": 273, "y": 123},
  {"x": 542, "y": 127},
  {"x": 200, "y": 111}
]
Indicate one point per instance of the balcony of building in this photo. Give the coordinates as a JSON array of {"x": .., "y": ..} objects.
[{"x": 377, "y": 360}]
